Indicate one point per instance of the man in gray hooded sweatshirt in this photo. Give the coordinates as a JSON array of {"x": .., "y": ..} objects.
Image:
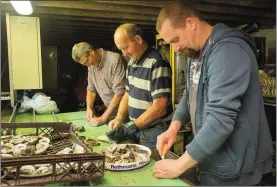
[{"x": 232, "y": 144}]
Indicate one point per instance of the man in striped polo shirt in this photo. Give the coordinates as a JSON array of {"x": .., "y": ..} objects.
[{"x": 147, "y": 91}]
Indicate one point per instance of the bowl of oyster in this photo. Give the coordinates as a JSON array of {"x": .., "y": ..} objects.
[{"x": 124, "y": 157}]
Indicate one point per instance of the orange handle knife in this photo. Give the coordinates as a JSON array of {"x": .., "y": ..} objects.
[{"x": 163, "y": 150}]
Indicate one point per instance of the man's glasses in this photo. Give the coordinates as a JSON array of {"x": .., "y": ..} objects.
[{"x": 85, "y": 61}]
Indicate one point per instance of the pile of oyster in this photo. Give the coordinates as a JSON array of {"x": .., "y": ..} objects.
[
  {"x": 23, "y": 145},
  {"x": 36, "y": 170},
  {"x": 124, "y": 153},
  {"x": 26, "y": 145}
]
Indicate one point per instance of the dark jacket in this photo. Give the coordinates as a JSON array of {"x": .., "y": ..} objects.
[{"x": 232, "y": 143}]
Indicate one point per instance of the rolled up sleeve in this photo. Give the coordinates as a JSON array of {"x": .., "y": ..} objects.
[
  {"x": 118, "y": 84},
  {"x": 90, "y": 86}
]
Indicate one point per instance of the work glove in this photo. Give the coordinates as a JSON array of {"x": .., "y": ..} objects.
[{"x": 122, "y": 132}]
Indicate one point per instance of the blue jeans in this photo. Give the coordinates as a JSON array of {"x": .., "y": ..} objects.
[{"x": 148, "y": 136}]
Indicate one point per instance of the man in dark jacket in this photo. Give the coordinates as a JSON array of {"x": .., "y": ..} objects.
[{"x": 232, "y": 144}]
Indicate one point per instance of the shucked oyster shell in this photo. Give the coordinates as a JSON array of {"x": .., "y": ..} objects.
[
  {"x": 112, "y": 148},
  {"x": 41, "y": 148},
  {"x": 44, "y": 169},
  {"x": 31, "y": 139},
  {"x": 124, "y": 153},
  {"x": 78, "y": 149},
  {"x": 18, "y": 139},
  {"x": 6, "y": 155},
  {"x": 27, "y": 170},
  {"x": 44, "y": 140},
  {"x": 65, "y": 151},
  {"x": 20, "y": 150}
]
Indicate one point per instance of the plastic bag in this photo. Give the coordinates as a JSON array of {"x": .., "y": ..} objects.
[{"x": 40, "y": 103}]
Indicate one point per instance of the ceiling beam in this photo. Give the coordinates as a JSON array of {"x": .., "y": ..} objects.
[
  {"x": 81, "y": 18},
  {"x": 145, "y": 3},
  {"x": 204, "y": 7},
  {"x": 266, "y": 4},
  {"x": 84, "y": 27},
  {"x": 77, "y": 12},
  {"x": 96, "y": 20},
  {"x": 72, "y": 37},
  {"x": 84, "y": 5},
  {"x": 142, "y": 13},
  {"x": 224, "y": 17},
  {"x": 95, "y": 32},
  {"x": 87, "y": 24},
  {"x": 68, "y": 12},
  {"x": 235, "y": 10}
]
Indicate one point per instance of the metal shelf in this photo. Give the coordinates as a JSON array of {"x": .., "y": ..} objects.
[{"x": 5, "y": 96}]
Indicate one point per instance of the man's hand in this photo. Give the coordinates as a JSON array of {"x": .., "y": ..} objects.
[
  {"x": 167, "y": 168},
  {"x": 114, "y": 123},
  {"x": 97, "y": 121},
  {"x": 168, "y": 137},
  {"x": 121, "y": 132},
  {"x": 173, "y": 168},
  {"x": 90, "y": 114}
]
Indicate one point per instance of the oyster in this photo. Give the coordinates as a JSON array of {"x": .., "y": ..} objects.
[
  {"x": 44, "y": 140},
  {"x": 140, "y": 156},
  {"x": 8, "y": 145},
  {"x": 42, "y": 165},
  {"x": 65, "y": 151},
  {"x": 41, "y": 148},
  {"x": 129, "y": 155},
  {"x": 124, "y": 153},
  {"x": 31, "y": 139},
  {"x": 7, "y": 148},
  {"x": 105, "y": 138},
  {"x": 5, "y": 139},
  {"x": 89, "y": 142},
  {"x": 112, "y": 148},
  {"x": 79, "y": 128},
  {"x": 32, "y": 149},
  {"x": 78, "y": 149},
  {"x": 20, "y": 150},
  {"x": 6, "y": 155},
  {"x": 27, "y": 170},
  {"x": 18, "y": 139},
  {"x": 44, "y": 169}
]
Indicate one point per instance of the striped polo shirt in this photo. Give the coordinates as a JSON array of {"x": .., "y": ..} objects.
[{"x": 147, "y": 79}]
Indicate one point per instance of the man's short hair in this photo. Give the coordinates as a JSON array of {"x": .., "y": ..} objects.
[
  {"x": 81, "y": 49},
  {"x": 176, "y": 12},
  {"x": 131, "y": 30}
]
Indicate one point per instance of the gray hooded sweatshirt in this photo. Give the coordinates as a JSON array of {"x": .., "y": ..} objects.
[{"x": 232, "y": 143}]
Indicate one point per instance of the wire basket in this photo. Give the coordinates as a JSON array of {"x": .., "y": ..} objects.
[{"x": 63, "y": 168}]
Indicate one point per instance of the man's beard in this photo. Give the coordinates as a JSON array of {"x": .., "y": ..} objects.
[{"x": 191, "y": 53}]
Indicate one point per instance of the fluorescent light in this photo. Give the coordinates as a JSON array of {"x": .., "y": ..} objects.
[{"x": 22, "y": 7}]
